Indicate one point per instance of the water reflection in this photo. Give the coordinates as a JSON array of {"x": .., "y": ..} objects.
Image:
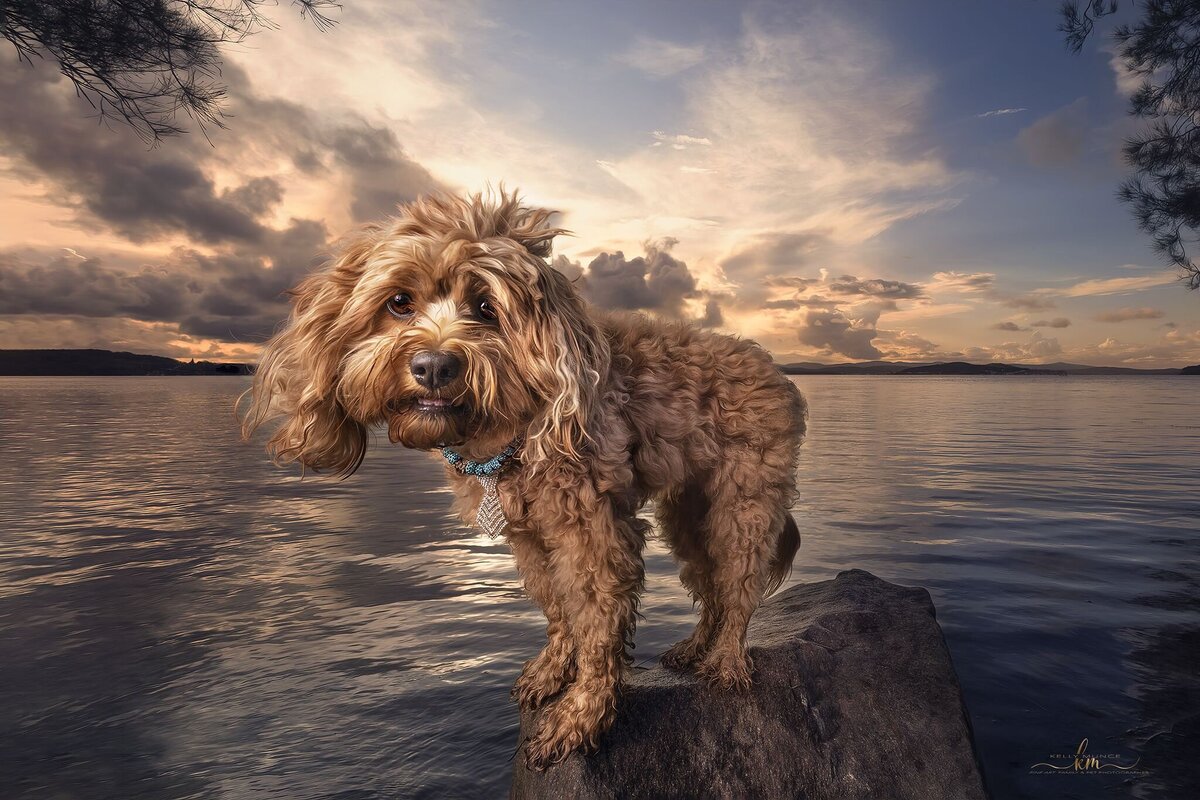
[{"x": 178, "y": 618}]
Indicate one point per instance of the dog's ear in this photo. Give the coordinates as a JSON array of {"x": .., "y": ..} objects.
[
  {"x": 296, "y": 378},
  {"x": 570, "y": 360}
]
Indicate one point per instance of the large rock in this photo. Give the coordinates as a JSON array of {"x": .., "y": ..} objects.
[{"x": 854, "y": 697}]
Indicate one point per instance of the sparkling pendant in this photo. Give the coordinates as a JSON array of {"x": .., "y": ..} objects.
[{"x": 490, "y": 518}]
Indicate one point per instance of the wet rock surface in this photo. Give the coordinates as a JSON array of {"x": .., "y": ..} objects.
[{"x": 854, "y": 696}]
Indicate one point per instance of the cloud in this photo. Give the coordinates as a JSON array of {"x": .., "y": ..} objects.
[
  {"x": 832, "y": 333},
  {"x": 1127, "y": 82},
  {"x": 109, "y": 180},
  {"x": 815, "y": 301},
  {"x": 814, "y": 133},
  {"x": 1008, "y": 326},
  {"x": 905, "y": 345},
  {"x": 381, "y": 175},
  {"x": 1034, "y": 301},
  {"x": 765, "y": 255},
  {"x": 654, "y": 282},
  {"x": 114, "y": 333},
  {"x": 87, "y": 288},
  {"x": 106, "y": 176},
  {"x": 1038, "y": 348},
  {"x": 660, "y": 58},
  {"x": 1104, "y": 286},
  {"x": 796, "y": 282},
  {"x": 1127, "y": 314},
  {"x": 256, "y": 197},
  {"x": 1175, "y": 347},
  {"x": 236, "y": 294},
  {"x": 713, "y": 316},
  {"x": 1000, "y": 112},
  {"x": 235, "y": 242},
  {"x": 833, "y": 315},
  {"x": 875, "y": 287},
  {"x": 1057, "y": 322},
  {"x": 679, "y": 141},
  {"x": 962, "y": 281},
  {"x": 1056, "y": 139},
  {"x": 572, "y": 269}
]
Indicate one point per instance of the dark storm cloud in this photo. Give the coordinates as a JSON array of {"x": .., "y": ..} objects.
[
  {"x": 654, "y": 282},
  {"x": 713, "y": 317},
  {"x": 1057, "y": 322},
  {"x": 234, "y": 295},
  {"x": 381, "y": 174},
  {"x": 257, "y": 196},
  {"x": 233, "y": 288},
  {"x": 833, "y": 333},
  {"x": 1008, "y": 326},
  {"x": 89, "y": 288},
  {"x": 371, "y": 160},
  {"x": 572, "y": 269},
  {"x": 108, "y": 177}
]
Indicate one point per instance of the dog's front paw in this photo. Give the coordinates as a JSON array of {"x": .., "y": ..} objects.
[
  {"x": 685, "y": 654},
  {"x": 727, "y": 669},
  {"x": 557, "y": 735},
  {"x": 543, "y": 677},
  {"x": 573, "y": 722}
]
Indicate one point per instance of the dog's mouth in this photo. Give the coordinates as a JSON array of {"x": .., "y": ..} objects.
[
  {"x": 434, "y": 406},
  {"x": 438, "y": 405},
  {"x": 424, "y": 422}
]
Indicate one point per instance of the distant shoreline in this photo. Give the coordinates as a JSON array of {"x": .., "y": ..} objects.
[
  {"x": 109, "y": 363},
  {"x": 961, "y": 368}
]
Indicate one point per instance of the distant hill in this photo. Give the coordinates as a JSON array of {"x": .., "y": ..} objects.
[
  {"x": 850, "y": 368},
  {"x": 106, "y": 362},
  {"x": 965, "y": 368},
  {"x": 1194, "y": 370},
  {"x": 1084, "y": 369}
]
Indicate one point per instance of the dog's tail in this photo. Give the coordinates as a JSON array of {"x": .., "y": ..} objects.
[{"x": 785, "y": 550}]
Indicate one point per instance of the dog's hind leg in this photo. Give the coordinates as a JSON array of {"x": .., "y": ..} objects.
[
  {"x": 682, "y": 518},
  {"x": 554, "y": 667},
  {"x": 748, "y": 494}
]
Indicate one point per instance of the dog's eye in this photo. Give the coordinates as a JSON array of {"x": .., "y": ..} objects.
[
  {"x": 400, "y": 305},
  {"x": 487, "y": 310}
]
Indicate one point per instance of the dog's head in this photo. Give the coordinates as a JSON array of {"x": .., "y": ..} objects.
[{"x": 446, "y": 324}]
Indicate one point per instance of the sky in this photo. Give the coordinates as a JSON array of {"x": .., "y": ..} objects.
[{"x": 839, "y": 181}]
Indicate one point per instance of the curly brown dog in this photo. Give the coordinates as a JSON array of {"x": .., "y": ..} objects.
[{"x": 447, "y": 324}]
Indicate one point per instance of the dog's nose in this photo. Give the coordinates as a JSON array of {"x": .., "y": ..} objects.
[{"x": 434, "y": 370}]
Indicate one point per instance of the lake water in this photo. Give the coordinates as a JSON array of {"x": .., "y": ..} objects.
[{"x": 178, "y": 618}]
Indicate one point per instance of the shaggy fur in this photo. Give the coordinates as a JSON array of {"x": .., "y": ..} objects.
[{"x": 615, "y": 410}]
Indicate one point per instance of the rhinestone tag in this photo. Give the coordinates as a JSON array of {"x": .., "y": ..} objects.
[{"x": 490, "y": 518}]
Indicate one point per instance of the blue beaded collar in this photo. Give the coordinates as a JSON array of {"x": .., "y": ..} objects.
[{"x": 479, "y": 468}]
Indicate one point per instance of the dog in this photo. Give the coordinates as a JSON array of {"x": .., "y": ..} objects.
[{"x": 556, "y": 422}]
